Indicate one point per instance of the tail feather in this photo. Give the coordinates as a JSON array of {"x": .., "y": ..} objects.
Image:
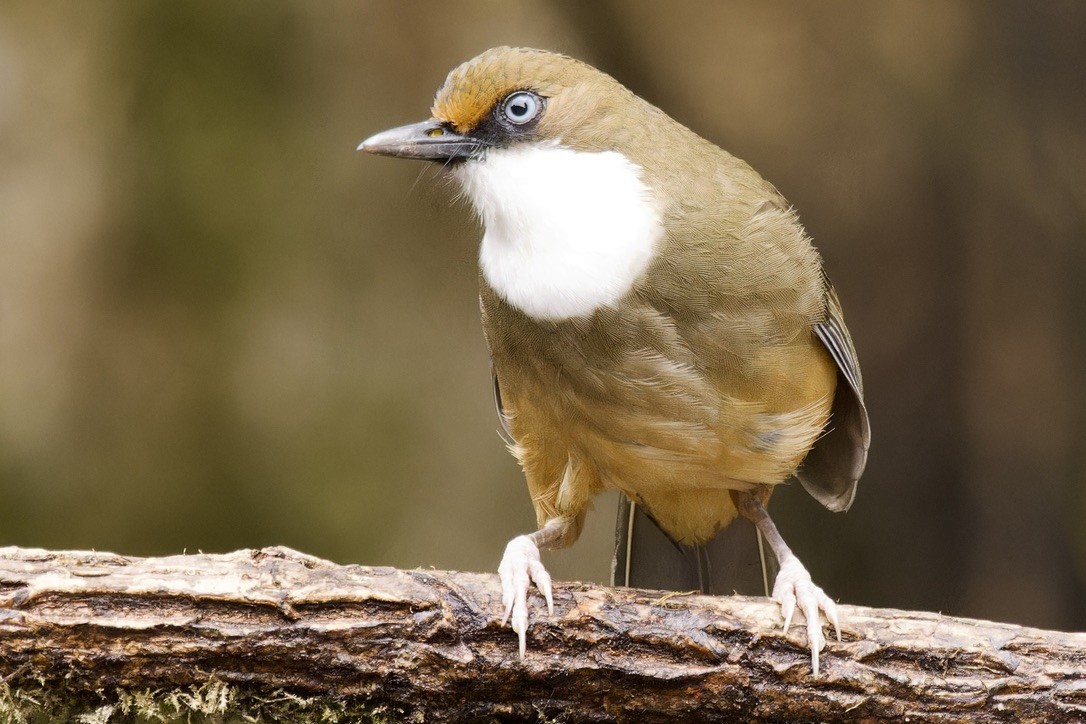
[{"x": 732, "y": 562}]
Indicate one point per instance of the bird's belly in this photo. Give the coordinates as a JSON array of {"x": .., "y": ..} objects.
[
  {"x": 627, "y": 401},
  {"x": 681, "y": 467},
  {"x": 689, "y": 495}
]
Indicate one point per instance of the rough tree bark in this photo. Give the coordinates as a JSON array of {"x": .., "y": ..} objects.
[{"x": 274, "y": 632}]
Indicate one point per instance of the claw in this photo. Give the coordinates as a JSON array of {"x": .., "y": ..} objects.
[
  {"x": 831, "y": 614},
  {"x": 542, "y": 581},
  {"x": 788, "y": 605},
  {"x": 519, "y": 568},
  {"x": 794, "y": 588}
]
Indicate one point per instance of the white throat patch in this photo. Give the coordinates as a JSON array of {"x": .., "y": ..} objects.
[{"x": 566, "y": 231}]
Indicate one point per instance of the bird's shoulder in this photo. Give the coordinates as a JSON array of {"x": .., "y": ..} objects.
[{"x": 748, "y": 271}]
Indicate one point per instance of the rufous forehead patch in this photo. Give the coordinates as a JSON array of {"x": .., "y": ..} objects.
[
  {"x": 473, "y": 88},
  {"x": 465, "y": 105}
]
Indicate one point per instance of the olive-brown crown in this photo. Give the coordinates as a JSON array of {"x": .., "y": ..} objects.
[
  {"x": 587, "y": 110},
  {"x": 578, "y": 96}
]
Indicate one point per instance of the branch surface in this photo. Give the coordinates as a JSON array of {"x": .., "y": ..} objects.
[{"x": 428, "y": 645}]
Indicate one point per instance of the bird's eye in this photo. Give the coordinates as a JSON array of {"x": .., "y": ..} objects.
[{"x": 521, "y": 107}]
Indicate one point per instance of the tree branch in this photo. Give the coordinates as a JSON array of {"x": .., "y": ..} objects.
[{"x": 277, "y": 632}]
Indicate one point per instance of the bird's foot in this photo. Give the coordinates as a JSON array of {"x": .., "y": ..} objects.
[
  {"x": 521, "y": 566},
  {"x": 794, "y": 586}
]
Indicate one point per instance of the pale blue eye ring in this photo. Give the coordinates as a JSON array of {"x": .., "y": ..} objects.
[{"x": 521, "y": 107}]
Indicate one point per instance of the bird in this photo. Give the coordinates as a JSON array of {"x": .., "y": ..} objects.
[{"x": 657, "y": 318}]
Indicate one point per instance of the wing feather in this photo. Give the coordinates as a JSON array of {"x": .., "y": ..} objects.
[{"x": 834, "y": 465}]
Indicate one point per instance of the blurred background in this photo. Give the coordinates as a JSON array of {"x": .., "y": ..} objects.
[{"x": 220, "y": 327}]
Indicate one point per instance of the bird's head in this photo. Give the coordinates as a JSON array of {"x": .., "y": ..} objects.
[
  {"x": 568, "y": 171},
  {"x": 508, "y": 97}
]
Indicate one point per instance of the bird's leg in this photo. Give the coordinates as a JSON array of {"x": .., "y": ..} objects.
[
  {"x": 793, "y": 584},
  {"x": 521, "y": 565}
]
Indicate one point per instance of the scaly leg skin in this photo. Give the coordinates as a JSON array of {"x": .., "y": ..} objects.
[
  {"x": 793, "y": 585},
  {"x": 521, "y": 566}
]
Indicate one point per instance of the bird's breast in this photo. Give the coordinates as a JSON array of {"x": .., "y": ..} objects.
[
  {"x": 567, "y": 231},
  {"x": 626, "y": 391}
]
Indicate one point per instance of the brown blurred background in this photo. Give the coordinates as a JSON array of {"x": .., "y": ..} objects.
[{"x": 221, "y": 327}]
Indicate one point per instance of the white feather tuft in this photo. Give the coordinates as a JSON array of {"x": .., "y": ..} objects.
[{"x": 566, "y": 231}]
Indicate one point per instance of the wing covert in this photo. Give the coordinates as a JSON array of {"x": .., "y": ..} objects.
[{"x": 835, "y": 463}]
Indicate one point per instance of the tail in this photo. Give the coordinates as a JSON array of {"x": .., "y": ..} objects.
[{"x": 735, "y": 561}]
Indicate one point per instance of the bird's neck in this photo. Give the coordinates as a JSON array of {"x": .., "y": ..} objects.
[{"x": 567, "y": 231}]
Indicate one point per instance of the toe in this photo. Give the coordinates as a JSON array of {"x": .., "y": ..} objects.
[
  {"x": 788, "y": 606},
  {"x": 519, "y": 568},
  {"x": 815, "y": 639},
  {"x": 830, "y": 609},
  {"x": 519, "y": 622},
  {"x": 795, "y": 589},
  {"x": 514, "y": 590},
  {"x": 542, "y": 581},
  {"x": 508, "y": 594}
]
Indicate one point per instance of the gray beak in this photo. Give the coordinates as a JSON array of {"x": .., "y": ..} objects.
[{"x": 430, "y": 140}]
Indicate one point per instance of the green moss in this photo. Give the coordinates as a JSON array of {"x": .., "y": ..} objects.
[{"x": 33, "y": 702}]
